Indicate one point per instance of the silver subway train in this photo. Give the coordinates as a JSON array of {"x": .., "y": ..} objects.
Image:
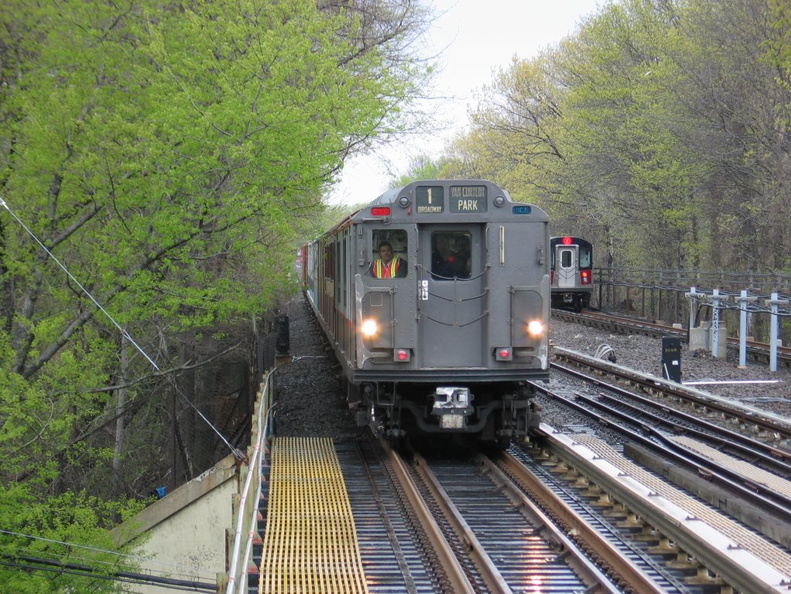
[
  {"x": 436, "y": 300},
  {"x": 572, "y": 272}
]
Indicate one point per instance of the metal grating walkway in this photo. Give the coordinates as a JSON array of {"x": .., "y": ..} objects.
[{"x": 310, "y": 541}]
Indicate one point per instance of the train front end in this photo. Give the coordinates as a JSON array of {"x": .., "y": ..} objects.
[{"x": 451, "y": 343}]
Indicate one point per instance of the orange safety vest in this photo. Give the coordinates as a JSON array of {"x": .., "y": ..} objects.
[{"x": 382, "y": 271}]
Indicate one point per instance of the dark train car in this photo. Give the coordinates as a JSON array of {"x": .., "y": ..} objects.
[
  {"x": 572, "y": 272},
  {"x": 444, "y": 341}
]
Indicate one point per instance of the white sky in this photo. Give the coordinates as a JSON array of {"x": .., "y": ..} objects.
[{"x": 473, "y": 39}]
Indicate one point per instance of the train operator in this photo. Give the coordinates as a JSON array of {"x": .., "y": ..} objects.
[{"x": 388, "y": 265}]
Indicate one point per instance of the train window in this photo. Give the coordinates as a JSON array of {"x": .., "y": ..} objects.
[
  {"x": 585, "y": 257},
  {"x": 329, "y": 260},
  {"x": 566, "y": 258},
  {"x": 389, "y": 257},
  {"x": 450, "y": 254},
  {"x": 343, "y": 246}
]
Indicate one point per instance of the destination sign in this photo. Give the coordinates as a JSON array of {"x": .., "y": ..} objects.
[
  {"x": 429, "y": 199},
  {"x": 468, "y": 199}
]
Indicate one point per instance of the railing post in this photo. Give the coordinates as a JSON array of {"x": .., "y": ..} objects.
[
  {"x": 715, "y": 323},
  {"x": 773, "y": 331},
  {"x": 693, "y": 305},
  {"x": 743, "y": 329}
]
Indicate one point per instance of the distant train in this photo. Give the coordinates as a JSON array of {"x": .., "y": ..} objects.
[
  {"x": 572, "y": 272},
  {"x": 435, "y": 298}
]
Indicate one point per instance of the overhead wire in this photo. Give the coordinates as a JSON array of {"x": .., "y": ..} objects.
[
  {"x": 126, "y": 334},
  {"x": 153, "y": 564},
  {"x": 52, "y": 565},
  {"x": 235, "y": 451}
]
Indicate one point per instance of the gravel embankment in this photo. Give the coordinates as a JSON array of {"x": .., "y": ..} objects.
[
  {"x": 309, "y": 394},
  {"x": 644, "y": 354}
]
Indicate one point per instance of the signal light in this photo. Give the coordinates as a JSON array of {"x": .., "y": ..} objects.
[
  {"x": 567, "y": 240},
  {"x": 380, "y": 211}
]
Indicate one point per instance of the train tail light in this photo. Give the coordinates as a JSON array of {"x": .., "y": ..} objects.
[
  {"x": 503, "y": 354},
  {"x": 402, "y": 355},
  {"x": 585, "y": 277}
]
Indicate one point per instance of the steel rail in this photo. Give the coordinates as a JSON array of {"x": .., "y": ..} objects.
[
  {"x": 455, "y": 573},
  {"x": 491, "y": 576},
  {"x": 633, "y": 577}
]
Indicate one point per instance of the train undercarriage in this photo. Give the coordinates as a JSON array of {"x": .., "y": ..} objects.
[
  {"x": 574, "y": 301},
  {"x": 494, "y": 413}
]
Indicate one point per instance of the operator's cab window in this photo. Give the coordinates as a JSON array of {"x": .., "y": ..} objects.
[
  {"x": 450, "y": 254},
  {"x": 389, "y": 253}
]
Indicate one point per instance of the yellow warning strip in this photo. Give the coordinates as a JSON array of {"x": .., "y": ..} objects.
[{"x": 310, "y": 544}]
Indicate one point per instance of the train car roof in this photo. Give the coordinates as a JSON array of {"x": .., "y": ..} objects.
[
  {"x": 345, "y": 221},
  {"x": 387, "y": 197},
  {"x": 575, "y": 239},
  {"x": 390, "y": 196}
]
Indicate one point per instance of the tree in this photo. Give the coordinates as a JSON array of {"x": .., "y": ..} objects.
[
  {"x": 661, "y": 126},
  {"x": 158, "y": 165}
]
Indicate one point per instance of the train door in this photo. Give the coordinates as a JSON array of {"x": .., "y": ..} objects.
[
  {"x": 452, "y": 296},
  {"x": 566, "y": 266}
]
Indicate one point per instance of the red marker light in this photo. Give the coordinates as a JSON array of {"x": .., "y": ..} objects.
[
  {"x": 402, "y": 355},
  {"x": 504, "y": 353},
  {"x": 567, "y": 240},
  {"x": 585, "y": 277},
  {"x": 380, "y": 211}
]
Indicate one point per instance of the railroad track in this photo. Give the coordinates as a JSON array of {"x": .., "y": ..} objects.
[
  {"x": 566, "y": 517},
  {"x": 746, "y": 478},
  {"x": 502, "y": 534},
  {"x": 571, "y": 515},
  {"x": 457, "y": 533},
  {"x": 761, "y": 423},
  {"x": 500, "y": 524},
  {"x": 694, "y": 542},
  {"x": 756, "y": 351}
]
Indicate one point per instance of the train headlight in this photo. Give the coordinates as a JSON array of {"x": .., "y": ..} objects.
[
  {"x": 369, "y": 327},
  {"x": 535, "y": 328}
]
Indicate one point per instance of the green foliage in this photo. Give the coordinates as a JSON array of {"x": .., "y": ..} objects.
[
  {"x": 69, "y": 530},
  {"x": 660, "y": 129},
  {"x": 422, "y": 167},
  {"x": 169, "y": 158}
]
